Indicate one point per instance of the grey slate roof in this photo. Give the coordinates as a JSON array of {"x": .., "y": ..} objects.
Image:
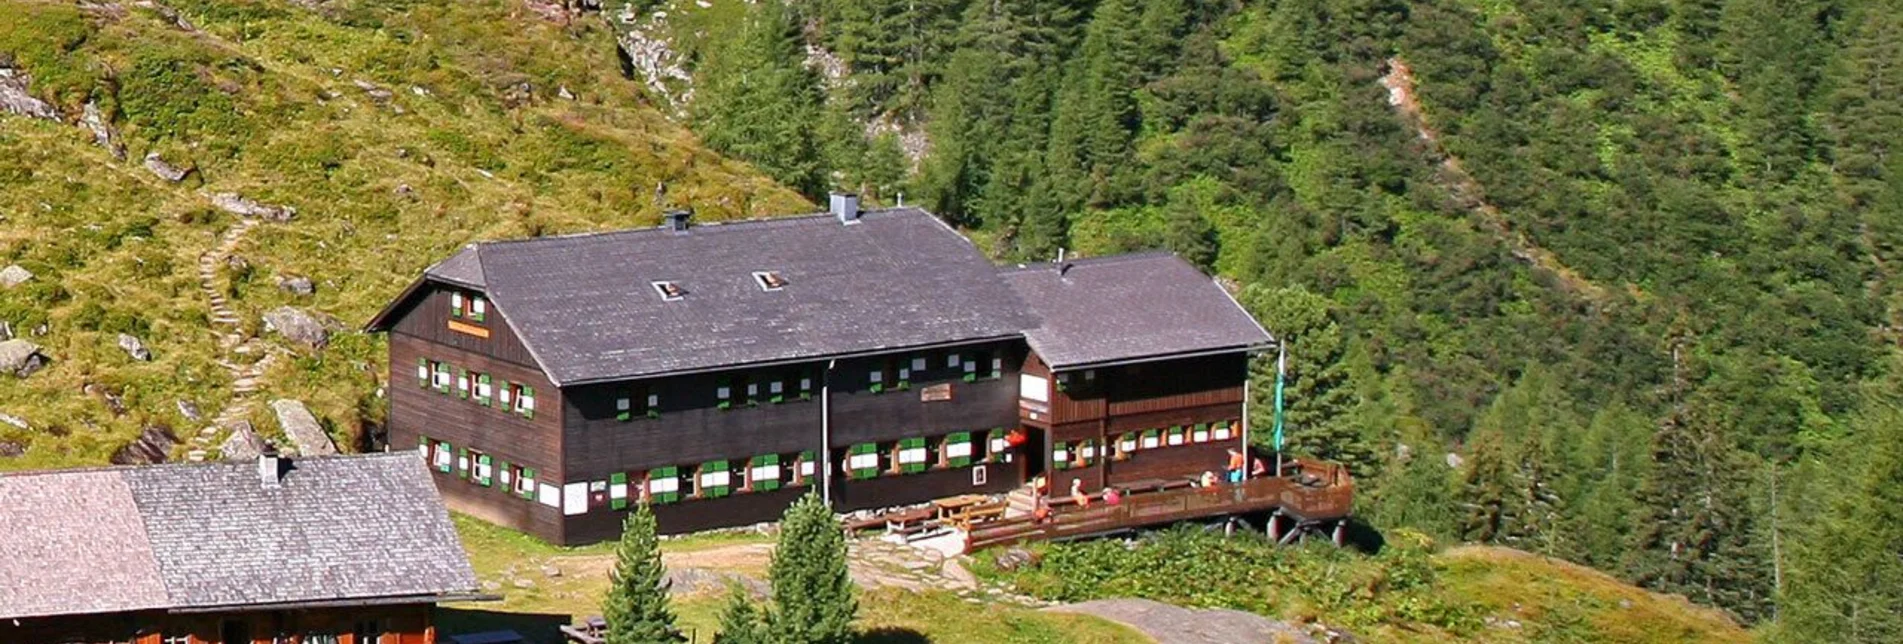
[
  {"x": 1125, "y": 307},
  {"x": 72, "y": 542},
  {"x": 208, "y": 535},
  {"x": 586, "y": 308}
]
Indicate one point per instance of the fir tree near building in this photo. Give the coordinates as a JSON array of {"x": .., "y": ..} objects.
[
  {"x": 637, "y": 605},
  {"x": 813, "y": 599}
]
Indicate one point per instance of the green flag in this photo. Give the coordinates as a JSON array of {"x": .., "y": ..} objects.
[{"x": 1281, "y": 373}]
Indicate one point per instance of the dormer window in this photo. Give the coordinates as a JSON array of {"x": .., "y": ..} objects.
[
  {"x": 470, "y": 307},
  {"x": 669, "y": 291},
  {"x": 769, "y": 280}
]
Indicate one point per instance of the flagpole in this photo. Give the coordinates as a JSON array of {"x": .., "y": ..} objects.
[
  {"x": 1248, "y": 452},
  {"x": 1281, "y": 373}
]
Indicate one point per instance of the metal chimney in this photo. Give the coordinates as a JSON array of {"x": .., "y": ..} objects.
[
  {"x": 676, "y": 220},
  {"x": 845, "y": 207}
]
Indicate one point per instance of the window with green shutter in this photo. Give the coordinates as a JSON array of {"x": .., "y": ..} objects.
[
  {"x": 913, "y": 457},
  {"x": 763, "y": 473},
  {"x": 1060, "y": 455},
  {"x": 444, "y": 463},
  {"x": 525, "y": 401},
  {"x": 1126, "y": 444},
  {"x": 618, "y": 490},
  {"x": 996, "y": 444},
  {"x": 1152, "y": 439},
  {"x": 462, "y": 383},
  {"x": 664, "y": 484},
  {"x": 485, "y": 470},
  {"x": 808, "y": 468},
  {"x": 525, "y": 484},
  {"x": 1200, "y": 434},
  {"x": 958, "y": 449},
  {"x": 863, "y": 461},
  {"x": 422, "y": 372},
  {"x": 442, "y": 377},
  {"x": 462, "y": 461},
  {"x": 485, "y": 391},
  {"x": 478, "y": 308},
  {"x": 624, "y": 406},
  {"x": 715, "y": 479},
  {"x": 1175, "y": 435}
]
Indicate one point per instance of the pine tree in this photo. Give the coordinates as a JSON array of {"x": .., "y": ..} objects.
[
  {"x": 637, "y": 604},
  {"x": 741, "y": 622},
  {"x": 1613, "y": 452},
  {"x": 755, "y": 100},
  {"x": 895, "y": 48},
  {"x": 1488, "y": 503},
  {"x": 1416, "y": 490},
  {"x": 1095, "y": 121},
  {"x": 812, "y": 591}
]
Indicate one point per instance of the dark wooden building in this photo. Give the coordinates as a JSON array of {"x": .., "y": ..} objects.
[
  {"x": 719, "y": 371},
  {"x": 328, "y": 550}
]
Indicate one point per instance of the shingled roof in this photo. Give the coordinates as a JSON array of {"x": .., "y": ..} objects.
[
  {"x": 1126, "y": 307},
  {"x": 586, "y": 307},
  {"x": 199, "y": 536}
]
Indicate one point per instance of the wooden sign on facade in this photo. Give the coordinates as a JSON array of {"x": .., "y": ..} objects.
[
  {"x": 935, "y": 393},
  {"x": 470, "y": 329}
]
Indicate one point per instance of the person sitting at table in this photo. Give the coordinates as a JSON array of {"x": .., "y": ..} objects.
[
  {"x": 1258, "y": 469},
  {"x": 1077, "y": 493},
  {"x": 1040, "y": 486},
  {"x": 1111, "y": 496},
  {"x": 1208, "y": 479}
]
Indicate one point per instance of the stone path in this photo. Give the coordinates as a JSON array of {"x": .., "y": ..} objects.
[
  {"x": 245, "y": 378},
  {"x": 1169, "y": 624}
]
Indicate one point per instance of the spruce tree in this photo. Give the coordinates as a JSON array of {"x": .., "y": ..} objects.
[
  {"x": 1488, "y": 506},
  {"x": 637, "y": 608},
  {"x": 741, "y": 622},
  {"x": 1537, "y": 521},
  {"x": 1693, "y": 533},
  {"x": 1189, "y": 235},
  {"x": 755, "y": 99},
  {"x": 1613, "y": 454},
  {"x": 1319, "y": 401},
  {"x": 813, "y": 599}
]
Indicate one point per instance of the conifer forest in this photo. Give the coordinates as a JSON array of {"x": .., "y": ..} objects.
[{"x": 1607, "y": 280}]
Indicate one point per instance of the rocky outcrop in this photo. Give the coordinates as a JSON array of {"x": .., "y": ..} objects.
[
  {"x": 94, "y": 119},
  {"x": 243, "y": 444},
  {"x": 297, "y": 285},
  {"x": 14, "y": 275},
  {"x": 237, "y": 204},
  {"x": 21, "y": 358},
  {"x": 650, "y": 56},
  {"x": 163, "y": 170},
  {"x": 15, "y": 98},
  {"x": 16, "y": 421},
  {"x": 300, "y": 326},
  {"x": 134, "y": 348},
  {"x": 12, "y": 449},
  {"x": 153, "y": 446},
  {"x": 375, "y": 93},
  {"x": 302, "y": 428},
  {"x": 189, "y": 410}
]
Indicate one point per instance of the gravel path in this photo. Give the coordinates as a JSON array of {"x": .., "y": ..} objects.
[{"x": 1176, "y": 625}]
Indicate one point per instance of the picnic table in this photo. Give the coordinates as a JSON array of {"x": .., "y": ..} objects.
[
  {"x": 592, "y": 631},
  {"x": 960, "y": 511}
]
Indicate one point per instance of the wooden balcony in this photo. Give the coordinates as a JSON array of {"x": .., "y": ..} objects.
[{"x": 1319, "y": 492}]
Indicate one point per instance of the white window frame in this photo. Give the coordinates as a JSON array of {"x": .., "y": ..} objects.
[
  {"x": 862, "y": 461},
  {"x": 622, "y": 403},
  {"x": 483, "y": 389},
  {"x": 1222, "y": 432},
  {"x": 878, "y": 376},
  {"x": 723, "y": 392},
  {"x": 806, "y": 384},
  {"x": 483, "y": 470},
  {"x": 524, "y": 402},
  {"x": 1033, "y": 387},
  {"x": 956, "y": 450},
  {"x": 456, "y": 303},
  {"x": 654, "y": 400},
  {"x": 522, "y": 484},
  {"x": 716, "y": 478},
  {"x": 753, "y": 389},
  {"x": 1060, "y": 455},
  {"x": 478, "y": 306},
  {"x": 764, "y": 473},
  {"x": 775, "y": 387},
  {"x": 442, "y": 378},
  {"x": 660, "y": 288},
  {"x": 918, "y": 364},
  {"x": 952, "y": 360},
  {"x": 913, "y": 455},
  {"x": 760, "y": 278},
  {"x": 667, "y": 485},
  {"x": 808, "y": 468},
  {"x": 439, "y": 457}
]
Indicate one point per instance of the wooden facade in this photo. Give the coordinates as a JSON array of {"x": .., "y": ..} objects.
[
  {"x": 595, "y": 449},
  {"x": 401, "y": 624}
]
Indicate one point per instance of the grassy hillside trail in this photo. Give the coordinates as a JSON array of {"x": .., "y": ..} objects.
[
  {"x": 396, "y": 131},
  {"x": 1399, "y": 80}
]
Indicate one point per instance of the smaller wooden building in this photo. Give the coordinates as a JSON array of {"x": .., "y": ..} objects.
[{"x": 332, "y": 550}]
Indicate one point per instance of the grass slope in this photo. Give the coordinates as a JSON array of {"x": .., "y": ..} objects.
[
  {"x": 474, "y": 140},
  {"x": 1559, "y": 601},
  {"x": 885, "y": 615}
]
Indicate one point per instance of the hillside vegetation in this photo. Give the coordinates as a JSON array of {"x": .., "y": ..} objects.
[
  {"x": 397, "y": 130},
  {"x": 1609, "y": 280}
]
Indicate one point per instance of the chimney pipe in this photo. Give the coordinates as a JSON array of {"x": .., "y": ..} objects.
[
  {"x": 676, "y": 220},
  {"x": 845, "y": 206},
  {"x": 270, "y": 467}
]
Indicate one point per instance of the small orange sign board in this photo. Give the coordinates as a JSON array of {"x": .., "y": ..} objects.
[
  {"x": 935, "y": 393},
  {"x": 470, "y": 329}
]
